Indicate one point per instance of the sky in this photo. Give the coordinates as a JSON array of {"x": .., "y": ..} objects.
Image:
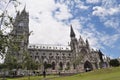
[{"x": 95, "y": 20}]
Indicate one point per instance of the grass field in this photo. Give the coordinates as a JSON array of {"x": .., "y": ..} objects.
[
  {"x": 31, "y": 78},
  {"x": 102, "y": 74}
]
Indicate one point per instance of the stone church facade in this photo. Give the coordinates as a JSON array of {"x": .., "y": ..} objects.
[{"x": 77, "y": 56}]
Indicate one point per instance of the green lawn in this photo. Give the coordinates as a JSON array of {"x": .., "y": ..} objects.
[
  {"x": 102, "y": 74},
  {"x": 31, "y": 78}
]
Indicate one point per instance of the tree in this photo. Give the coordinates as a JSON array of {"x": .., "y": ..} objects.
[
  {"x": 3, "y": 43},
  {"x": 3, "y": 66},
  {"x": 114, "y": 63},
  {"x": 12, "y": 63},
  {"x": 5, "y": 21},
  {"x": 28, "y": 63},
  {"x": 46, "y": 66}
]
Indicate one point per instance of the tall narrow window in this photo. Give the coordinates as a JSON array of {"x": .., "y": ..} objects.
[{"x": 53, "y": 65}]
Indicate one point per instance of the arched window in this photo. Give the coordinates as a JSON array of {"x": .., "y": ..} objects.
[
  {"x": 83, "y": 51},
  {"x": 61, "y": 65},
  {"x": 50, "y": 53},
  {"x": 88, "y": 66},
  {"x": 45, "y": 65},
  {"x": 53, "y": 65},
  {"x": 105, "y": 65},
  {"x": 74, "y": 66},
  {"x": 68, "y": 65}
]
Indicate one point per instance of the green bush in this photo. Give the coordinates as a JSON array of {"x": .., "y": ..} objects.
[{"x": 114, "y": 63}]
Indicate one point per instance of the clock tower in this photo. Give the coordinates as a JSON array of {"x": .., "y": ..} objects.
[{"x": 20, "y": 35}]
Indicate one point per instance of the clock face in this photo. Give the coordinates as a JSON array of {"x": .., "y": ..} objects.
[{"x": 20, "y": 24}]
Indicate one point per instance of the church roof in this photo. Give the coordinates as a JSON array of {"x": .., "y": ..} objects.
[{"x": 49, "y": 47}]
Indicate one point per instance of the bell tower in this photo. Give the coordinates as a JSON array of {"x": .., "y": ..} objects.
[
  {"x": 21, "y": 27},
  {"x": 20, "y": 35}
]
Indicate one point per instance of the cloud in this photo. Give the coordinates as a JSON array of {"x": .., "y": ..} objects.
[
  {"x": 1, "y": 5},
  {"x": 83, "y": 7},
  {"x": 108, "y": 13},
  {"x": 52, "y": 30},
  {"x": 76, "y": 24},
  {"x": 109, "y": 40},
  {"x": 46, "y": 28},
  {"x": 109, "y": 3},
  {"x": 107, "y": 8},
  {"x": 9, "y": 7},
  {"x": 113, "y": 23},
  {"x": 92, "y": 1},
  {"x": 62, "y": 12},
  {"x": 101, "y": 11},
  {"x": 98, "y": 40},
  {"x": 48, "y": 31}
]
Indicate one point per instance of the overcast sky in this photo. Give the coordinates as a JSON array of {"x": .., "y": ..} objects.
[{"x": 95, "y": 20}]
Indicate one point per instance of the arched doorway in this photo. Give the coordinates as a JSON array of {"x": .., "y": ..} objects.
[
  {"x": 88, "y": 66},
  {"x": 45, "y": 65},
  {"x": 96, "y": 66},
  {"x": 105, "y": 65},
  {"x": 61, "y": 65},
  {"x": 74, "y": 66},
  {"x": 101, "y": 64},
  {"x": 53, "y": 65},
  {"x": 68, "y": 65},
  {"x": 83, "y": 51}
]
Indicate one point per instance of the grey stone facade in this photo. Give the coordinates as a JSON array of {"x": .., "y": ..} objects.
[{"x": 78, "y": 56}]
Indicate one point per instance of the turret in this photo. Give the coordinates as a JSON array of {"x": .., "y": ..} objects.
[
  {"x": 81, "y": 41},
  {"x": 87, "y": 43},
  {"x": 73, "y": 42},
  {"x": 24, "y": 13},
  {"x": 100, "y": 56},
  {"x": 72, "y": 34},
  {"x": 18, "y": 13},
  {"x": 21, "y": 20}
]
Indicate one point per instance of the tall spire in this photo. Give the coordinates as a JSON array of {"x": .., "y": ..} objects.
[
  {"x": 24, "y": 10},
  {"x": 72, "y": 34},
  {"x": 23, "y": 13},
  {"x": 87, "y": 43},
  {"x": 18, "y": 13},
  {"x": 81, "y": 39}
]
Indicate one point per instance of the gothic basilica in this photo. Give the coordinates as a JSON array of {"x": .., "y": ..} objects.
[{"x": 77, "y": 56}]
